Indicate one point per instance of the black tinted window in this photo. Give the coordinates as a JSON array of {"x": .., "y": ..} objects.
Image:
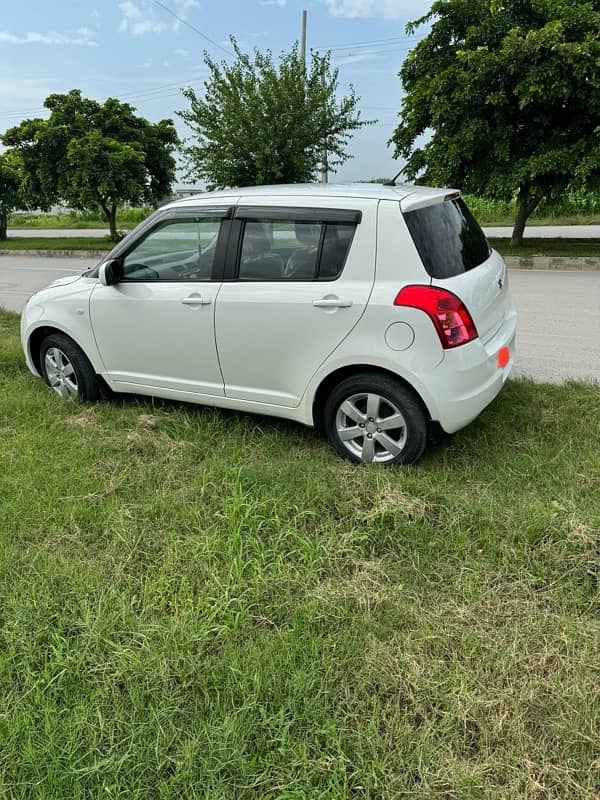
[
  {"x": 279, "y": 250},
  {"x": 336, "y": 244},
  {"x": 448, "y": 238}
]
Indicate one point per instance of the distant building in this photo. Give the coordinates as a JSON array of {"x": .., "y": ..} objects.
[{"x": 179, "y": 192}]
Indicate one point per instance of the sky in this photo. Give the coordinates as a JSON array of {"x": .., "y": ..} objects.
[{"x": 138, "y": 51}]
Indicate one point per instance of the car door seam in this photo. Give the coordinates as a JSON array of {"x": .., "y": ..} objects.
[{"x": 366, "y": 305}]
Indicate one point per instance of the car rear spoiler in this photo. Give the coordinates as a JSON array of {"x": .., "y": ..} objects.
[{"x": 421, "y": 198}]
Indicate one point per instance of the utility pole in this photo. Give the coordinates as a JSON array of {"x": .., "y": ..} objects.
[
  {"x": 324, "y": 162},
  {"x": 303, "y": 38}
]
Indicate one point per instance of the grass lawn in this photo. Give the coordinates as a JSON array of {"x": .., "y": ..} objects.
[
  {"x": 549, "y": 247},
  {"x": 63, "y": 223},
  {"x": 197, "y": 603},
  {"x": 126, "y": 218},
  {"x": 56, "y": 243}
]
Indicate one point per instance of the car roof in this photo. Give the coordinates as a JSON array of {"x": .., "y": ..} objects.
[{"x": 314, "y": 191}]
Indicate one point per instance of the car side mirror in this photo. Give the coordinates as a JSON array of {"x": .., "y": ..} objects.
[{"x": 110, "y": 272}]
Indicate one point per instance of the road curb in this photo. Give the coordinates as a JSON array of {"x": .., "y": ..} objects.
[{"x": 579, "y": 264}]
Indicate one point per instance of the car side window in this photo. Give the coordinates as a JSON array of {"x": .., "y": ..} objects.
[
  {"x": 277, "y": 250},
  {"x": 293, "y": 250},
  {"x": 336, "y": 246},
  {"x": 176, "y": 250}
]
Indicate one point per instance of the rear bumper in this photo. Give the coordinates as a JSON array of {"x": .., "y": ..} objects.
[{"x": 469, "y": 378}]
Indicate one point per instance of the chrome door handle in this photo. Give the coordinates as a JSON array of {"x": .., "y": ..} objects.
[
  {"x": 196, "y": 300},
  {"x": 332, "y": 302}
]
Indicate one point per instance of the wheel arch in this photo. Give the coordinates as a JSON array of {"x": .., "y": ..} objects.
[
  {"x": 340, "y": 374},
  {"x": 37, "y": 336}
]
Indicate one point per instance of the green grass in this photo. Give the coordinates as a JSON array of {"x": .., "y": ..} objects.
[
  {"x": 575, "y": 207},
  {"x": 56, "y": 243},
  {"x": 196, "y": 603},
  {"x": 126, "y": 218},
  {"x": 549, "y": 247}
]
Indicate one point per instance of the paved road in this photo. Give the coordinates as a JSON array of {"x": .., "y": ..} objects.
[
  {"x": 550, "y": 231},
  {"x": 21, "y": 276},
  {"x": 559, "y": 313},
  {"x": 559, "y": 324},
  {"x": 543, "y": 231},
  {"x": 58, "y": 233}
]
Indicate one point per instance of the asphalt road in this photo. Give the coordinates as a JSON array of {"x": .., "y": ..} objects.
[
  {"x": 21, "y": 276},
  {"x": 550, "y": 232},
  {"x": 536, "y": 231},
  {"x": 58, "y": 233},
  {"x": 559, "y": 324},
  {"x": 559, "y": 313}
]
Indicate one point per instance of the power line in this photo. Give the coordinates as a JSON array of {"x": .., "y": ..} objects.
[
  {"x": 387, "y": 48},
  {"x": 367, "y": 53},
  {"x": 141, "y": 94},
  {"x": 369, "y": 42},
  {"x": 155, "y": 93},
  {"x": 192, "y": 27}
]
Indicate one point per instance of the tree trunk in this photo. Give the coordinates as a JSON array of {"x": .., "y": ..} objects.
[
  {"x": 110, "y": 212},
  {"x": 524, "y": 211},
  {"x": 112, "y": 222},
  {"x": 3, "y": 226}
]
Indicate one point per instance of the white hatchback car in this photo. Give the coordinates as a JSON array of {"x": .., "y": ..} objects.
[{"x": 375, "y": 313}]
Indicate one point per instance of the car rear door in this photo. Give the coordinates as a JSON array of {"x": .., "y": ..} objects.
[{"x": 297, "y": 281}]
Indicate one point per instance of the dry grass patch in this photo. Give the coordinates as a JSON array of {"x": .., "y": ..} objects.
[
  {"x": 86, "y": 419},
  {"x": 511, "y": 682},
  {"x": 365, "y": 586}
]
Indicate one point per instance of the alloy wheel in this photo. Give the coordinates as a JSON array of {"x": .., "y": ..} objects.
[
  {"x": 61, "y": 373},
  {"x": 371, "y": 427}
]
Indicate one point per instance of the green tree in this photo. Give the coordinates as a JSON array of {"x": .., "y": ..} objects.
[
  {"x": 95, "y": 155},
  {"x": 11, "y": 188},
  {"x": 510, "y": 95},
  {"x": 262, "y": 123}
]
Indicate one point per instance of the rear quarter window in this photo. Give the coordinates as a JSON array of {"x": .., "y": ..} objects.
[{"x": 448, "y": 238}]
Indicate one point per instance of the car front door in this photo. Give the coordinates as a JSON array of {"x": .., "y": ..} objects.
[
  {"x": 297, "y": 281},
  {"x": 155, "y": 327}
]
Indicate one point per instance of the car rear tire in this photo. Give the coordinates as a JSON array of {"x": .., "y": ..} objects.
[
  {"x": 373, "y": 418},
  {"x": 67, "y": 370}
]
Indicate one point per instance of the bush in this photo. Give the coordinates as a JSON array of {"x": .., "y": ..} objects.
[{"x": 574, "y": 203}]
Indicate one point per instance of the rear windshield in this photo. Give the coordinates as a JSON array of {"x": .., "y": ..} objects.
[{"x": 448, "y": 238}]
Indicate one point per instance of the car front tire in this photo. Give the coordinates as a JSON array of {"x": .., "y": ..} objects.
[
  {"x": 67, "y": 369},
  {"x": 374, "y": 418}
]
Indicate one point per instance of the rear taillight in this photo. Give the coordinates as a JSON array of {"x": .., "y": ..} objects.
[{"x": 451, "y": 319}]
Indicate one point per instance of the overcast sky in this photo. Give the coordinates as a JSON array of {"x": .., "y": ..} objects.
[{"x": 136, "y": 50}]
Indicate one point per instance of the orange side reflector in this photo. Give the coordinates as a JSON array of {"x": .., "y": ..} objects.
[{"x": 503, "y": 357}]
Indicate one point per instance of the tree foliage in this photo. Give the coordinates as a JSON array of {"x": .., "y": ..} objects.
[
  {"x": 11, "y": 188},
  {"x": 262, "y": 123},
  {"x": 510, "y": 93},
  {"x": 95, "y": 156}
]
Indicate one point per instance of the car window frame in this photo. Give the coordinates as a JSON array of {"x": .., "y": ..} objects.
[
  {"x": 158, "y": 219},
  {"x": 319, "y": 216}
]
